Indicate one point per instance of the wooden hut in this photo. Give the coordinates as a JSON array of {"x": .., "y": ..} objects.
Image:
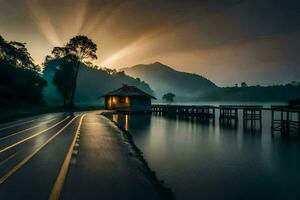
[{"x": 128, "y": 99}]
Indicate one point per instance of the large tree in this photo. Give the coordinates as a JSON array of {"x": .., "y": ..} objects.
[{"x": 79, "y": 50}]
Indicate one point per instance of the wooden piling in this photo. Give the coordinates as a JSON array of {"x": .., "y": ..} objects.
[
  {"x": 252, "y": 114},
  {"x": 199, "y": 112},
  {"x": 286, "y": 123},
  {"x": 284, "y": 119}
]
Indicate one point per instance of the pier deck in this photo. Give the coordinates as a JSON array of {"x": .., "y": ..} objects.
[
  {"x": 200, "y": 112},
  {"x": 285, "y": 119}
]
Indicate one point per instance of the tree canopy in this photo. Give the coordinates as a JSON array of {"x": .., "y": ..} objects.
[
  {"x": 79, "y": 50},
  {"x": 20, "y": 80},
  {"x": 169, "y": 97},
  {"x": 17, "y": 55}
]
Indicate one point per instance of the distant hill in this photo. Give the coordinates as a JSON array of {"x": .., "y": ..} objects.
[
  {"x": 164, "y": 79},
  {"x": 91, "y": 84},
  {"x": 277, "y": 93}
]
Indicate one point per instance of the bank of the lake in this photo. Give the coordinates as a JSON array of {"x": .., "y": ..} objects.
[{"x": 164, "y": 191}]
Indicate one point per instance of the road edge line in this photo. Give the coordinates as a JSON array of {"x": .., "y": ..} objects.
[{"x": 57, "y": 188}]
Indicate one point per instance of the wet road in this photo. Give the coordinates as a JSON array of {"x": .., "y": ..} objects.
[{"x": 68, "y": 156}]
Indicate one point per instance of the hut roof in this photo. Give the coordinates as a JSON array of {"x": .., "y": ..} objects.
[{"x": 127, "y": 90}]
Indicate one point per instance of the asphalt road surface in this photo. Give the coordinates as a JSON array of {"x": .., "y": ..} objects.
[{"x": 69, "y": 156}]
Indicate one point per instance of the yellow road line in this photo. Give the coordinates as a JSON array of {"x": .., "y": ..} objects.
[
  {"x": 32, "y": 136},
  {"x": 27, "y": 129},
  {"x": 56, "y": 190},
  {"x": 20, "y": 164}
]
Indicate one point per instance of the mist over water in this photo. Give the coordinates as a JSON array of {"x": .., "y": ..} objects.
[{"x": 208, "y": 161}]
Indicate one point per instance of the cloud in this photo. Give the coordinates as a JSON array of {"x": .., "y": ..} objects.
[
  {"x": 43, "y": 22},
  {"x": 202, "y": 36}
]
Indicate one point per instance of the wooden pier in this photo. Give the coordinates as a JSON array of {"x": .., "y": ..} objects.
[
  {"x": 229, "y": 115},
  {"x": 252, "y": 117},
  {"x": 285, "y": 119},
  {"x": 200, "y": 112}
]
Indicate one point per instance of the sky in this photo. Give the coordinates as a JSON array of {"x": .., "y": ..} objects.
[{"x": 226, "y": 41}]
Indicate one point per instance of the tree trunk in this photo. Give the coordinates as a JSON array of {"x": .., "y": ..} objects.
[{"x": 74, "y": 85}]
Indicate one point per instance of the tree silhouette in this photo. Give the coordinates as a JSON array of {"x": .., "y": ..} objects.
[
  {"x": 79, "y": 50},
  {"x": 20, "y": 80},
  {"x": 17, "y": 55},
  {"x": 244, "y": 84},
  {"x": 169, "y": 97},
  {"x": 63, "y": 81}
]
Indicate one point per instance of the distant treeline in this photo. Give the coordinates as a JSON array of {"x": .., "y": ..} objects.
[
  {"x": 253, "y": 93},
  {"x": 21, "y": 82},
  {"x": 73, "y": 79},
  {"x": 67, "y": 69},
  {"x": 91, "y": 84},
  {"x": 25, "y": 84}
]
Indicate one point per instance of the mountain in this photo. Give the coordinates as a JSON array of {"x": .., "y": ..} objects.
[
  {"x": 275, "y": 93},
  {"x": 164, "y": 79},
  {"x": 91, "y": 84}
]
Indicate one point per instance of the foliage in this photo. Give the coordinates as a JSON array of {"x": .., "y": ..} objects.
[
  {"x": 244, "y": 84},
  {"x": 20, "y": 85},
  {"x": 79, "y": 50},
  {"x": 91, "y": 83},
  {"x": 17, "y": 55},
  {"x": 20, "y": 80},
  {"x": 110, "y": 71},
  {"x": 169, "y": 97}
]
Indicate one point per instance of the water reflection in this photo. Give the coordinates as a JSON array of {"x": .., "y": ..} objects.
[
  {"x": 207, "y": 160},
  {"x": 133, "y": 121}
]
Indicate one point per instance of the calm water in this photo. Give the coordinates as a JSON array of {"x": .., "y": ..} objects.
[{"x": 206, "y": 161}]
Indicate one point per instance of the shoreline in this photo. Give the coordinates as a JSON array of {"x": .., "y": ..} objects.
[{"x": 165, "y": 192}]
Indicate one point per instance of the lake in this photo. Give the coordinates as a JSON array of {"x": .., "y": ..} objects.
[{"x": 200, "y": 160}]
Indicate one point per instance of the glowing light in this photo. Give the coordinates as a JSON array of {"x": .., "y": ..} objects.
[
  {"x": 67, "y": 30},
  {"x": 127, "y": 100},
  {"x": 109, "y": 103},
  {"x": 79, "y": 11},
  {"x": 114, "y": 99},
  {"x": 131, "y": 49},
  {"x": 43, "y": 22},
  {"x": 115, "y": 118},
  {"x": 126, "y": 122}
]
